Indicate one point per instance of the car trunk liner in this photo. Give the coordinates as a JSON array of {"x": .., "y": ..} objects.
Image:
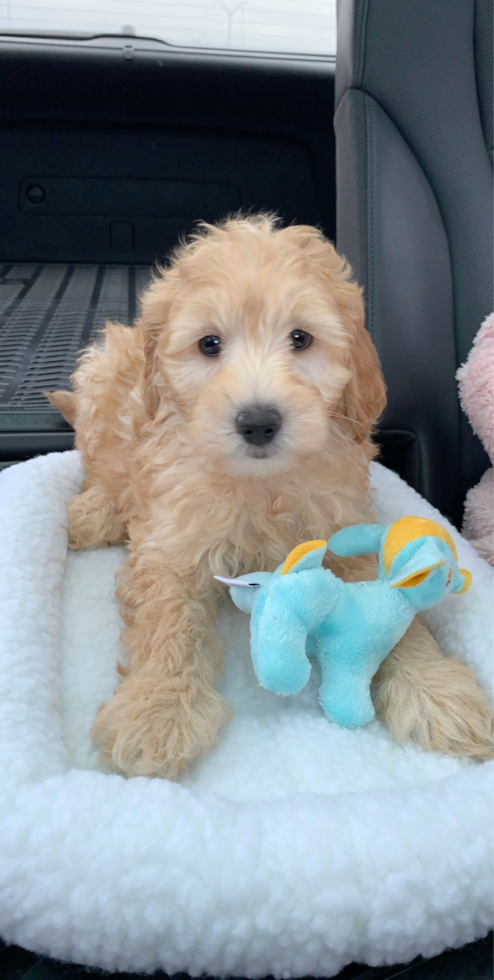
[{"x": 48, "y": 313}]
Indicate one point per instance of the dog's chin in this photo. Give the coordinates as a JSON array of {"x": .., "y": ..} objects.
[
  {"x": 227, "y": 453},
  {"x": 259, "y": 462}
]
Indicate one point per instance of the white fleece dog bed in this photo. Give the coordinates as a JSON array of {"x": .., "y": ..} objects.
[{"x": 293, "y": 849}]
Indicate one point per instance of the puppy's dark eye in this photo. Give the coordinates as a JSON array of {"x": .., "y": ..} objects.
[
  {"x": 210, "y": 346},
  {"x": 300, "y": 339}
]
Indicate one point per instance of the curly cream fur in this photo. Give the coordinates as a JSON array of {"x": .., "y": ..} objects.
[{"x": 167, "y": 470}]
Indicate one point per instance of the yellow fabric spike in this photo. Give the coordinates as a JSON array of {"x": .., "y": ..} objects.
[
  {"x": 300, "y": 552},
  {"x": 409, "y": 529},
  {"x": 468, "y": 580}
]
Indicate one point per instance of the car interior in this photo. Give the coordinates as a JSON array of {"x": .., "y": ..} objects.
[{"x": 115, "y": 143}]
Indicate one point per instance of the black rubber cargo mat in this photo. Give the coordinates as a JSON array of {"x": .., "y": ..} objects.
[{"x": 48, "y": 313}]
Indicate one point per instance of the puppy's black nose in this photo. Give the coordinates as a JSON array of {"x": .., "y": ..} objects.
[{"x": 258, "y": 425}]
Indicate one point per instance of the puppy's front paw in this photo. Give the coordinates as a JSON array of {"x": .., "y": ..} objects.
[
  {"x": 93, "y": 521},
  {"x": 440, "y": 705},
  {"x": 157, "y": 727}
]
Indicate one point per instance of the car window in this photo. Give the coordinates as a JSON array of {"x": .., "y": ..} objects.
[{"x": 289, "y": 26}]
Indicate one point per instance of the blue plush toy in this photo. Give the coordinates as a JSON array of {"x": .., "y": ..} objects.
[{"x": 303, "y": 609}]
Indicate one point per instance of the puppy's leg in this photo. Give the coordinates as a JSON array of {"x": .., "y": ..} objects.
[
  {"x": 421, "y": 694},
  {"x": 432, "y": 699},
  {"x": 166, "y": 711},
  {"x": 93, "y": 520}
]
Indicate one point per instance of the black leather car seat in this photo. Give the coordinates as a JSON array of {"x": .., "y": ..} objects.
[{"x": 413, "y": 129}]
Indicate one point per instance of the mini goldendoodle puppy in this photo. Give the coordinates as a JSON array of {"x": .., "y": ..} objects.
[{"x": 231, "y": 423}]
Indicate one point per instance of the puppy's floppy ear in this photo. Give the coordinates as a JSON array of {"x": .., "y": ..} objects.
[
  {"x": 156, "y": 302},
  {"x": 65, "y": 403},
  {"x": 365, "y": 395},
  {"x": 150, "y": 391}
]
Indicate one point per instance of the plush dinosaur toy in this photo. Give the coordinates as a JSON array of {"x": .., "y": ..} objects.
[{"x": 303, "y": 610}]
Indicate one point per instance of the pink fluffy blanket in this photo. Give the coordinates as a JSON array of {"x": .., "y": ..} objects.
[{"x": 476, "y": 384}]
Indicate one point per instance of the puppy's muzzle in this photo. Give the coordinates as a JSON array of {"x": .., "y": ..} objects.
[{"x": 258, "y": 425}]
